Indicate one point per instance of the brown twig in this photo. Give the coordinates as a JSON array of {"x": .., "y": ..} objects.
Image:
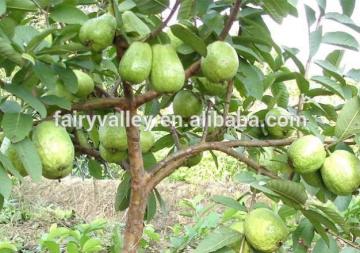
[
  {"x": 158, "y": 30},
  {"x": 206, "y": 127},
  {"x": 175, "y": 137},
  {"x": 352, "y": 244},
  {"x": 231, "y": 19}
]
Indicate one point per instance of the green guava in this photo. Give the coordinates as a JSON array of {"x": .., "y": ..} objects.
[
  {"x": 85, "y": 84},
  {"x": 193, "y": 160},
  {"x": 112, "y": 155},
  {"x": 167, "y": 74},
  {"x": 187, "y": 104},
  {"x": 174, "y": 41},
  {"x": 265, "y": 230},
  {"x": 277, "y": 131},
  {"x": 113, "y": 136},
  {"x": 212, "y": 89},
  {"x": 147, "y": 140},
  {"x": 135, "y": 66},
  {"x": 55, "y": 149},
  {"x": 15, "y": 159},
  {"x": 221, "y": 62},
  {"x": 341, "y": 172},
  {"x": 307, "y": 154},
  {"x": 98, "y": 33}
]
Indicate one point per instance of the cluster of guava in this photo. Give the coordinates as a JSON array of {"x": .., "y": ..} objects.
[
  {"x": 55, "y": 150},
  {"x": 339, "y": 172}
]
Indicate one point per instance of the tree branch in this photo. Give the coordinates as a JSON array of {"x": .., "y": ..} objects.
[
  {"x": 158, "y": 30},
  {"x": 206, "y": 127},
  {"x": 231, "y": 19}
]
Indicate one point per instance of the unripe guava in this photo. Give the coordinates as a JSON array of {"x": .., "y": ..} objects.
[
  {"x": 112, "y": 155},
  {"x": 98, "y": 33},
  {"x": 85, "y": 84},
  {"x": 167, "y": 74},
  {"x": 278, "y": 131},
  {"x": 265, "y": 230},
  {"x": 221, "y": 62},
  {"x": 307, "y": 154},
  {"x": 135, "y": 66},
  {"x": 187, "y": 104},
  {"x": 55, "y": 149},
  {"x": 341, "y": 172},
  {"x": 193, "y": 160},
  {"x": 113, "y": 137},
  {"x": 174, "y": 41},
  {"x": 16, "y": 161},
  {"x": 212, "y": 89},
  {"x": 147, "y": 140}
]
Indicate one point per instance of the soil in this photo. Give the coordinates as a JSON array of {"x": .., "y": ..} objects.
[{"x": 87, "y": 200}]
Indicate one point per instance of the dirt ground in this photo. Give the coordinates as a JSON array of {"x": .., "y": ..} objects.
[{"x": 88, "y": 200}]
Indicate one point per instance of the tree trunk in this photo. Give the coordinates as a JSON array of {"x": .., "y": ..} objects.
[{"x": 135, "y": 224}]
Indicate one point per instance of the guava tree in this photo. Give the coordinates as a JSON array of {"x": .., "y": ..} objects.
[{"x": 86, "y": 57}]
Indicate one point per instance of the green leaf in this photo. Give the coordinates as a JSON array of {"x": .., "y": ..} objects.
[
  {"x": 95, "y": 169},
  {"x": 2, "y": 200},
  {"x": 2, "y": 7},
  {"x": 321, "y": 246},
  {"x": 348, "y": 6},
  {"x": 133, "y": 24},
  {"x": 17, "y": 126},
  {"x": 341, "y": 39},
  {"x": 249, "y": 81},
  {"x": 315, "y": 41},
  {"x": 22, "y": 5},
  {"x": 68, "y": 77},
  {"x": 277, "y": 9},
  {"x": 164, "y": 142},
  {"x": 151, "y": 6},
  {"x": 151, "y": 207},
  {"x": 29, "y": 158},
  {"x": 54, "y": 100},
  {"x": 330, "y": 84},
  {"x": 189, "y": 38},
  {"x": 354, "y": 74},
  {"x": 6, "y": 183},
  {"x": 335, "y": 57},
  {"x": 333, "y": 215},
  {"x": 319, "y": 217},
  {"x": 342, "y": 19},
  {"x": 292, "y": 54},
  {"x": 330, "y": 69},
  {"x": 349, "y": 250},
  {"x": 281, "y": 94},
  {"x": 310, "y": 15},
  {"x": 5, "y": 161},
  {"x": 303, "y": 236},
  {"x": 46, "y": 74},
  {"x": 92, "y": 245},
  {"x": 228, "y": 202},
  {"x": 8, "y": 52},
  {"x": 291, "y": 190},
  {"x": 22, "y": 93},
  {"x": 68, "y": 14},
  {"x": 187, "y": 9},
  {"x": 322, "y": 5},
  {"x": 123, "y": 194},
  {"x": 217, "y": 240},
  {"x": 38, "y": 39},
  {"x": 348, "y": 122}
]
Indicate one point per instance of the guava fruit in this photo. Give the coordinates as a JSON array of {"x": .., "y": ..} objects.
[
  {"x": 98, "y": 33},
  {"x": 15, "y": 159},
  {"x": 174, "y": 41},
  {"x": 113, "y": 137},
  {"x": 147, "y": 140},
  {"x": 212, "y": 89},
  {"x": 275, "y": 117},
  {"x": 341, "y": 172},
  {"x": 221, "y": 62},
  {"x": 307, "y": 154},
  {"x": 314, "y": 179},
  {"x": 193, "y": 160},
  {"x": 85, "y": 84},
  {"x": 187, "y": 104},
  {"x": 265, "y": 230},
  {"x": 112, "y": 155},
  {"x": 55, "y": 149},
  {"x": 167, "y": 74},
  {"x": 135, "y": 66}
]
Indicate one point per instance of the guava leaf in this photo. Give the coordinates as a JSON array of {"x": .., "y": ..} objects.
[
  {"x": 6, "y": 183},
  {"x": 17, "y": 126},
  {"x": 348, "y": 122},
  {"x": 68, "y": 14}
]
